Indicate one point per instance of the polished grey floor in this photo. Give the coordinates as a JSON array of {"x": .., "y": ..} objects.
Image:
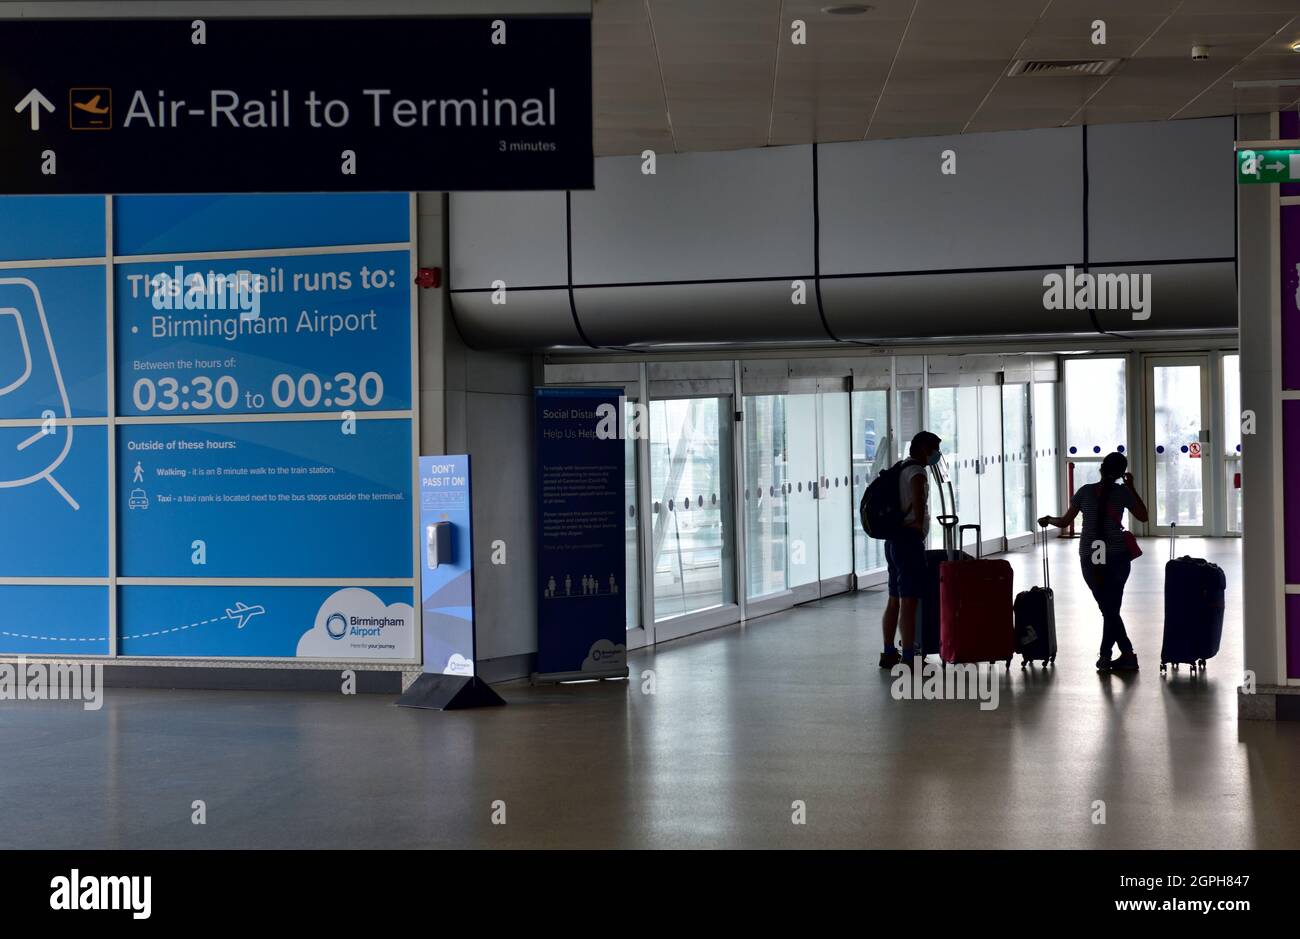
[{"x": 745, "y": 721}]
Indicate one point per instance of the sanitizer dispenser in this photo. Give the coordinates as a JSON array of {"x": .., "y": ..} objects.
[{"x": 437, "y": 544}]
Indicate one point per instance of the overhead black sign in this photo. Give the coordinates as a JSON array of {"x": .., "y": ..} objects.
[{"x": 305, "y": 105}]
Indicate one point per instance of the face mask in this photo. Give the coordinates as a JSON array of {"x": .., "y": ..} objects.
[{"x": 935, "y": 457}]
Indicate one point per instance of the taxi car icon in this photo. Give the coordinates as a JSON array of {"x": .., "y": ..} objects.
[{"x": 138, "y": 499}]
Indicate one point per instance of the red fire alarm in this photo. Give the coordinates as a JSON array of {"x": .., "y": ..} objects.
[{"x": 429, "y": 277}]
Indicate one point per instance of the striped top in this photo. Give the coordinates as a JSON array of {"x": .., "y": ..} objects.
[{"x": 1087, "y": 501}]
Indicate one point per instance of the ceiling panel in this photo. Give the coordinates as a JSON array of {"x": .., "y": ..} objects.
[{"x": 692, "y": 75}]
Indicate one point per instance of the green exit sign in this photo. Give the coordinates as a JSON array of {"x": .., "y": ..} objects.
[{"x": 1268, "y": 166}]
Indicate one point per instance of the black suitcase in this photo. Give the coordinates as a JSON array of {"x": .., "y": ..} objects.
[
  {"x": 1194, "y": 595},
  {"x": 1035, "y": 619}
]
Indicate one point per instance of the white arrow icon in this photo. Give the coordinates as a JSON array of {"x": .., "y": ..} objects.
[
  {"x": 35, "y": 100},
  {"x": 1274, "y": 166}
]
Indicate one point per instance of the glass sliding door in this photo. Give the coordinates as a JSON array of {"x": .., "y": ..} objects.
[
  {"x": 1232, "y": 441},
  {"x": 1096, "y": 414},
  {"x": 801, "y": 473},
  {"x": 1047, "y": 487},
  {"x": 954, "y": 416},
  {"x": 1177, "y": 390},
  {"x": 1015, "y": 458},
  {"x": 988, "y": 463},
  {"x": 691, "y": 470},
  {"x": 870, "y": 445},
  {"x": 834, "y": 494},
  {"x": 764, "y": 500}
]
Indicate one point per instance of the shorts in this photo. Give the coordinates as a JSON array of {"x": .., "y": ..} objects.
[{"x": 905, "y": 556}]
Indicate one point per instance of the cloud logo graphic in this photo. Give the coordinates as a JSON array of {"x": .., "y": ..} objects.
[
  {"x": 604, "y": 656},
  {"x": 354, "y": 623},
  {"x": 458, "y": 665}
]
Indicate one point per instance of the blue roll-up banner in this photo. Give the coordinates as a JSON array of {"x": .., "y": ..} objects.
[
  {"x": 581, "y": 616},
  {"x": 446, "y": 565}
]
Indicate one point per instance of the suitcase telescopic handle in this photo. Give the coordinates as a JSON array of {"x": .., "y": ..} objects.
[
  {"x": 1173, "y": 536},
  {"x": 961, "y": 537},
  {"x": 1047, "y": 576}
]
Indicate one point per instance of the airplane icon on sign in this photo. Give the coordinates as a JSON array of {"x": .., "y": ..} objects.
[
  {"x": 243, "y": 613},
  {"x": 90, "y": 108}
]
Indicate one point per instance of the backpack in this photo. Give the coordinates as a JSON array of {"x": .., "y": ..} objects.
[{"x": 881, "y": 509}]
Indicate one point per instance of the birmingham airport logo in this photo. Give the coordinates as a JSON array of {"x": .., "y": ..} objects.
[
  {"x": 336, "y": 626},
  {"x": 1086, "y": 291},
  {"x": 929, "y": 682},
  {"x": 24, "y": 681},
  {"x": 240, "y": 290}
]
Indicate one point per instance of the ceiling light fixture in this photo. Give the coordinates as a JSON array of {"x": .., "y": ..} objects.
[
  {"x": 1295, "y": 46},
  {"x": 848, "y": 9}
]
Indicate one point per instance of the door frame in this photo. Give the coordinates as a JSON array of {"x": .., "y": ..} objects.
[{"x": 1209, "y": 448}]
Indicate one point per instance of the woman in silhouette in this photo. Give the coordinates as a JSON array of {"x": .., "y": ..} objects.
[{"x": 1107, "y": 551}]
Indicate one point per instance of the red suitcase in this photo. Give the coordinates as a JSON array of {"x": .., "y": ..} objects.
[{"x": 975, "y": 603}]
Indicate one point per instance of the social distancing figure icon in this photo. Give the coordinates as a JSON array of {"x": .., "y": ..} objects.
[{"x": 31, "y": 384}]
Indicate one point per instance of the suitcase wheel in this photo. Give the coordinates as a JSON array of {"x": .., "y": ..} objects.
[
  {"x": 1024, "y": 663},
  {"x": 1163, "y": 666},
  {"x": 1201, "y": 663},
  {"x": 1008, "y": 664}
]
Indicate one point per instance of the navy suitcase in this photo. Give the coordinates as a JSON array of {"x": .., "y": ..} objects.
[
  {"x": 1035, "y": 619},
  {"x": 1194, "y": 592}
]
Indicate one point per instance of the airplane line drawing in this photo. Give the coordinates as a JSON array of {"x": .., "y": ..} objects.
[
  {"x": 47, "y": 473},
  {"x": 243, "y": 613}
]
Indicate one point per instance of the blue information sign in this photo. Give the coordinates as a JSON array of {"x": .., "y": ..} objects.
[
  {"x": 288, "y": 334},
  {"x": 447, "y": 565},
  {"x": 581, "y": 614}
]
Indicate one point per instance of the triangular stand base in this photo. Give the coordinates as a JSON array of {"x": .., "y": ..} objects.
[{"x": 449, "y": 693}]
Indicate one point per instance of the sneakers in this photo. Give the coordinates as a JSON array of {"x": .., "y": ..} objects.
[
  {"x": 890, "y": 659},
  {"x": 1127, "y": 662}
]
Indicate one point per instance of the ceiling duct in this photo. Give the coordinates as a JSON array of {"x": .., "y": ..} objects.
[{"x": 1048, "y": 67}]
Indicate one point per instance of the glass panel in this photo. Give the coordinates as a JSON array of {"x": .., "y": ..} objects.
[
  {"x": 1232, "y": 405},
  {"x": 631, "y": 529},
  {"x": 907, "y": 420},
  {"x": 1233, "y": 500},
  {"x": 1232, "y": 439},
  {"x": 800, "y": 473},
  {"x": 690, "y": 473},
  {"x": 1094, "y": 407},
  {"x": 870, "y": 430},
  {"x": 764, "y": 497},
  {"x": 953, "y": 418},
  {"x": 1015, "y": 456},
  {"x": 1177, "y": 426},
  {"x": 835, "y": 523},
  {"x": 988, "y": 461},
  {"x": 1046, "y": 459}
]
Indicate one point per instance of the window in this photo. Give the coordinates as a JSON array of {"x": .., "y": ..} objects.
[
  {"x": 1015, "y": 456},
  {"x": 1096, "y": 415}
]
